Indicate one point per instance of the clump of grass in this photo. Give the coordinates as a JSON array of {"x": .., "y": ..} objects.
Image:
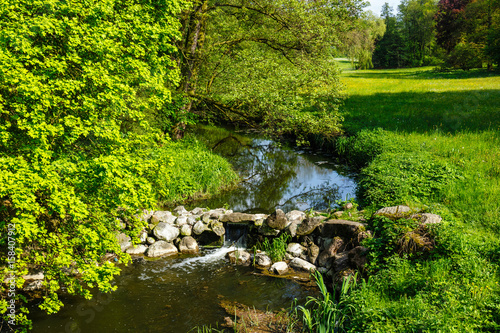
[
  {"x": 325, "y": 314},
  {"x": 277, "y": 249},
  {"x": 189, "y": 169}
]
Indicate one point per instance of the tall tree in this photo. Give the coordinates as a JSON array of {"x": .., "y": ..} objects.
[
  {"x": 418, "y": 25},
  {"x": 262, "y": 61},
  {"x": 390, "y": 49},
  {"x": 359, "y": 43},
  {"x": 77, "y": 80},
  {"x": 450, "y": 22}
]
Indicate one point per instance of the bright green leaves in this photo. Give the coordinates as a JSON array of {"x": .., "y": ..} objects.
[{"x": 78, "y": 83}]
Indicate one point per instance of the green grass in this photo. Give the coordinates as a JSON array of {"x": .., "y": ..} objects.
[
  {"x": 190, "y": 170},
  {"x": 431, "y": 140}
]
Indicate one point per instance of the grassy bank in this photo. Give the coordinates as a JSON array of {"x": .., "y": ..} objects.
[{"x": 429, "y": 140}]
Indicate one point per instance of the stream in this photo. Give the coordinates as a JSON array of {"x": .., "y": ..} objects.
[{"x": 176, "y": 294}]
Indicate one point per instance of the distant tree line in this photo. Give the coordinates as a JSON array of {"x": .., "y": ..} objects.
[{"x": 451, "y": 33}]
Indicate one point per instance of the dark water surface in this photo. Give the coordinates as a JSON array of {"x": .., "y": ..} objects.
[
  {"x": 179, "y": 293},
  {"x": 276, "y": 176},
  {"x": 171, "y": 295}
]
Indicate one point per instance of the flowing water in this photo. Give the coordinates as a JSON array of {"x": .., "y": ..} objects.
[{"x": 176, "y": 294}]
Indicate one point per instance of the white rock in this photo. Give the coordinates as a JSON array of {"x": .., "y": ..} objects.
[
  {"x": 165, "y": 231},
  {"x": 296, "y": 250},
  {"x": 161, "y": 248},
  {"x": 186, "y": 230},
  {"x": 181, "y": 220},
  {"x": 301, "y": 264},
  {"x": 137, "y": 249},
  {"x": 279, "y": 268},
  {"x": 199, "y": 227},
  {"x": 263, "y": 259}
]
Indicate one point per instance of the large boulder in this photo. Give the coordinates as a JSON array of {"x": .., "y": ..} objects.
[
  {"x": 341, "y": 228},
  {"x": 277, "y": 220},
  {"x": 124, "y": 240},
  {"x": 308, "y": 225},
  {"x": 295, "y": 249},
  {"x": 239, "y": 257},
  {"x": 357, "y": 257},
  {"x": 137, "y": 249},
  {"x": 238, "y": 218},
  {"x": 279, "y": 268},
  {"x": 263, "y": 259},
  {"x": 162, "y": 216},
  {"x": 188, "y": 245},
  {"x": 161, "y": 248},
  {"x": 312, "y": 252},
  {"x": 394, "y": 211},
  {"x": 302, "y": 265},
  {"x": 186, "y": 230},
  {"x": 180, "y": 210},
  {"x": 218, "y": 228},
  {"x": 166, "y": 232},
  {"x": 337, "y": 245},
  {"x": 199, "y": 227}
]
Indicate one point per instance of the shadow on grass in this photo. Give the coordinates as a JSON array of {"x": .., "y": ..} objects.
[
  {"x": 422, "y": 74},
  {"x": 471, "y": 110}
]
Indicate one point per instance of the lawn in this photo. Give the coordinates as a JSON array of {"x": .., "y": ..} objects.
[{"x": 431, "y": 140}]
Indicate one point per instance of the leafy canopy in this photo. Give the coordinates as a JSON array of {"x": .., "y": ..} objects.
[{"x": 77, "y": 79}]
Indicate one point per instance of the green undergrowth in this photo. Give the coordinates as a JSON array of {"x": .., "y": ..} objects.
[
  {"x": 193, "y": 170},
  {"x": 432, "y": 141}
]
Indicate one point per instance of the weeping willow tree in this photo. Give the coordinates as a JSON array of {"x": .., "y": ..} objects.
[{"x": 264, "y": 62}]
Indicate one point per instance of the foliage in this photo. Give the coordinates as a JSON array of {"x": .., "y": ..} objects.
[
  {"x": 325, "y": 314},
  {"x": 454, "y": 287},
  {"x": 194, "y": 170},
  {"x": 277, "y": 249},
  {"x": 76, "y": 82},
  {"x": 360, "y": 42},
  {"x": 264, "y": 61}
]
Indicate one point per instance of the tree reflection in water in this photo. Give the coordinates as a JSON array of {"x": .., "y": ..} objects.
[{"x": 274, "y": 176}]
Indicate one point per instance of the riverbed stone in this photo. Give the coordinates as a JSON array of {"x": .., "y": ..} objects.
[
  {"x": 218, "y": 228},
  {"x": 165, "y": 231},
  {"x": 150, "y": 240},
  {"x": 341, "y": 228},
  {"x": 263, "y": 259},
  {"x": 161, "y": 248},
  {"x": 180, "y": 210},
  {"x": 394, "y": 211},
  {"x": 198, "y": 211},
  {"x": 206, "y": 217},
  {"x": 279, "y": 268},
  {"x": 309, "y": 224},
  {"x": 295, "y": 216},
  {"x": 277, "y": 220},
  {"x": 199, "y": 227},
  {"x": 188, "y": 245},
  {"x": 191, "y": 220},
  {"x": 302, "y": 265},
  {"x": 137, "y": 249},
  {"x": 124, "y": 241},
  {"x": 312, "y": 252},
  {"x": 239, "y": 257},
  {"x": 181, "y": 220},
  {"x": 428, "y": 218},
  {"x": 238, "y": 218},
  {"x": 336, "y": 245},
  {"x": 357, "y": 257},
  {"x": 143, "y": 236},
  {"x": 295, "y": 249},
  {"x": 186, "y": 230},
  {"x": 162, "y": 216}
]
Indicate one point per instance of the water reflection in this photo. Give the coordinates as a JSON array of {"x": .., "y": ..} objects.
[{"x": 275, "y": 176}]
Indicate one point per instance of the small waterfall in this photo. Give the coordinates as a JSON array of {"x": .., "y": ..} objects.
[{"x": 236, "y": 235}]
